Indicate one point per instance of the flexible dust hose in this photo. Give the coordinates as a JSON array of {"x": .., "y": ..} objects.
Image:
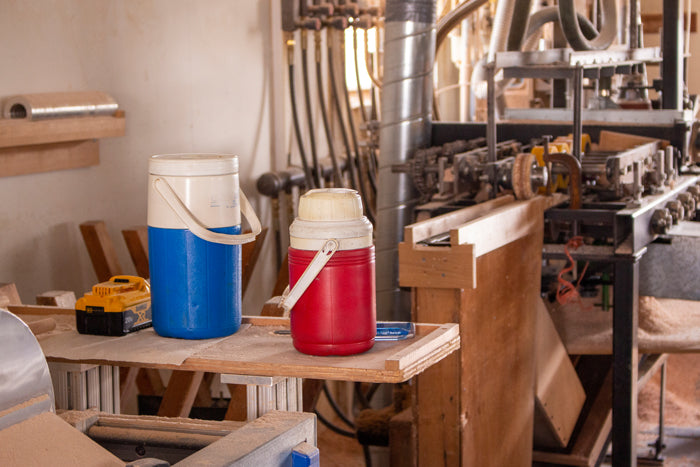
[
  {"x": 339, "y": 115},
  {"x": 337, "y": 176},
  {"x": 295, "y": 120},
  {"x": 518, "y": 26},
  {"x": 572, "y": 30},
  {"x": 406, "y": 106},
  {"x": 309, "y": 112},
  {"x": 551, "y": 15},
  {"x": 452, "y": 19}
]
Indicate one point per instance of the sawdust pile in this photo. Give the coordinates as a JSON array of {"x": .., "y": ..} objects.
[
  {"x": 655, "y": 318},
  {"x": 682, "y": 405}
]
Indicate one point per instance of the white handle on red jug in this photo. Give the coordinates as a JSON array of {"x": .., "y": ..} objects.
[
  {"x": 290, "y": 298},
  {"x": 166, "y": 192}
]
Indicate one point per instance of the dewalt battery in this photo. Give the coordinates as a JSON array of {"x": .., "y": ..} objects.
[{"x": 114, "y": 308}]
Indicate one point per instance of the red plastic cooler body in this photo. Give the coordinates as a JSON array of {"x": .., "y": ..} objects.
[{"x": 337, "y": 313}]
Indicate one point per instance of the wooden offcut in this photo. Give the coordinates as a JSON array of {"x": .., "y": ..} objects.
[
  {"x": 24, "y": 160},
  {"x": 136, "y": 239},
  {"x": 558, "y": 390},
  {"x": 180, "y": 394},
  {"x": 101, "y": 250},
  {"x": 62, "y": 298},
  {"x": 9, "y": 295}
]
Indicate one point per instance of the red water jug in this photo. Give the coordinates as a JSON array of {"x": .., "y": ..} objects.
[{"x": 331, "y": 275}]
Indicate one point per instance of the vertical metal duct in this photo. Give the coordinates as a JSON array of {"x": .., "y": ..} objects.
[{"x": 407, "y": 89}]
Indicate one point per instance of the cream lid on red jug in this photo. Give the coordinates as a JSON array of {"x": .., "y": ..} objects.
[{"x": 327, "y": 213}]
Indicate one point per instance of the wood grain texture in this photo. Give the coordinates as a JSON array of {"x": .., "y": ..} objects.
[
  {"x": 437, "y": 410},
  {"x": 9, "y": 294},
  {"x": 477, "y": 408},
  {"x": 48, "y": 157},
  {"x": 25, "y": 133},
  {"x": 437, "y": 267},
  {"x": 249, "y": 258},
  {"x": 101, "y": 250},
  {"x": 558, "y": 390},
  {"x": 62, "y": 298},
  {"x": 180, "y": 393},
  {"x": 136, "y": 239}
]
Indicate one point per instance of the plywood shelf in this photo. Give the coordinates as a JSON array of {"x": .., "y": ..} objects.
[
  {"x": 255, "y": 350},
  {"x": 57, "y": 144}
]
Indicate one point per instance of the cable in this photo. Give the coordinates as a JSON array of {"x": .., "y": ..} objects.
[
  {"x": 332, "y": 427},
  {"x": 309, "y": 116},
  {"x": 357, "y": 73},
  {"x": 355, "y": 144},
  {"x": 338, "y": 177},
  {"x": 336, "y": 408},
  {"x": 339, "y": 114},
  {"x": 295, "y": 116}
]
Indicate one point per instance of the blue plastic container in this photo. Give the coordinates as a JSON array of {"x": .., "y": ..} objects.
[{"x": 194, "y": 225}]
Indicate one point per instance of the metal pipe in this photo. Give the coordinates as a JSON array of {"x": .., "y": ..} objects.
[
  {"x": 337, "y": 176},
  {"x": 406, "y": 103}
]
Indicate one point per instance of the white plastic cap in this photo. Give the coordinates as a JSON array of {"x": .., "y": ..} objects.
[
  {"x": 193, "y": 165},
  {"x": 330, "y": 204}
]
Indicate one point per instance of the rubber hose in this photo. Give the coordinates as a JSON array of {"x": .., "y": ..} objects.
[
  {"x": 309, "y": 116},
  {"x": 341, "y": 122},
  {"x": 297, "y": 129},
  {"x": 519, "y": 24},
  {"x": 356, "y": 146},
  {"x": 326, "y": 125},
  {"x": 448, "y": 22},
  {"x": 551, "y": 14},
  {"x": 572, "y": 30}
]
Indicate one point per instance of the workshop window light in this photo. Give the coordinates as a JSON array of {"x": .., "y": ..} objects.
[{"x": 362, "y": 36}]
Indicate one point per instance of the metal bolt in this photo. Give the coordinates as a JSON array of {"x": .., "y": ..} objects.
[
  {"x": 661, "y": 220},
  {"x": 676, "y": 209}
]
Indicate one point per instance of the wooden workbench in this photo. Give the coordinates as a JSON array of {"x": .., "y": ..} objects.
[{"x": 256, "y": 349}]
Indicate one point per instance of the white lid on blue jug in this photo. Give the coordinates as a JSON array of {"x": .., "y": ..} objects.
[{"x": 193, "y": 165}]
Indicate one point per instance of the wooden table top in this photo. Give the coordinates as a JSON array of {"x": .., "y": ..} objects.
[{"x": 254, "y": 350}]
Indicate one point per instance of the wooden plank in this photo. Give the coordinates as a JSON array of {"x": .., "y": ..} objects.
[
  {"x": 9, "y": 295},
  {"x": 136, "y": 239},
  {"x": 593, "y": 435},
  {"x": 497, "y": 327},
  {"x": 614, "y": 141},
  {"x": 237, "y": 407},
  {"x": 558, "y": 390},
  {"x": 420, "y": 231},
  {"x": 437, "y": 267},
  {"x": 502, "y": 225},
  {"x": 436, "y": 401},
  {"x": 101, "y": 250},
  {"x": 203, "y": 397},
  {"x": 424, "y": 349},
  {"x": 464, "y": 411},
  {"x": 180, "y": 394},
  {"x": 24, "y": 160},
  {"x": 23, "y": 133},
  {"x": 126, "y": 384},
  {"x": 62, "y": 298},
  {"x": 249, "y": 258},
  {"x": 256, "y": 349},
  {"x": 40, "y": 310}
]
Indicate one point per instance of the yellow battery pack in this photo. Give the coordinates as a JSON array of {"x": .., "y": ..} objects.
[{"x": 114, "y": 308}]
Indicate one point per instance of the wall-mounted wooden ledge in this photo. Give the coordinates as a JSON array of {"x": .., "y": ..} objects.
[{"x": 56, "y": 144}]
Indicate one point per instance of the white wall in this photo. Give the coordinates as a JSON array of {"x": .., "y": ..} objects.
[{"x": 191, "y": 75}]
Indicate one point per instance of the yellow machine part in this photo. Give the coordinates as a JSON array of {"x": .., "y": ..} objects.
[
  {"x": 116, "y": 295},
  {"x": 561, "y": 144}
]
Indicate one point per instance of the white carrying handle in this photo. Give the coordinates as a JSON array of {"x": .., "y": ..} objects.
[
  {"x": 290, "y": 298},
  {"x": 166, "y": 192}
]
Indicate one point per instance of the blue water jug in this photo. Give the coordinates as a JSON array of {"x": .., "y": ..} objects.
[{"x": 194, "y": 225}]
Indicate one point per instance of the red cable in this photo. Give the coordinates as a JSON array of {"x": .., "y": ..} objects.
[{"x": 567, "y": 291}]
